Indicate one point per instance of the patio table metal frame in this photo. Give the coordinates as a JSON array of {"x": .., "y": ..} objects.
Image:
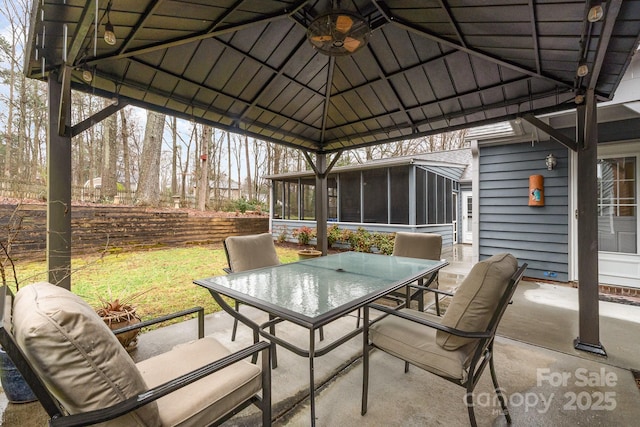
[{"x": 334, "y": 285}]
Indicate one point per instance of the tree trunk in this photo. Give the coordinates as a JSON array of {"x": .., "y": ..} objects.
[
  {"x": 126, "y": 158},
  {"x": 148, "y": 193},
  {"x": 228, "y": 165},
  {"x": 248, "y": 163},
  {"x": 9, "y": 134},
  {"x": 174, "y": 157},
  {"x": 109, "y": 173},
  {"x": 203, "y": 182}
]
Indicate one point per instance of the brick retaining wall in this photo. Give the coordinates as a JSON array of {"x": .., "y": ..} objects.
[{"x": 95, "y": 229}]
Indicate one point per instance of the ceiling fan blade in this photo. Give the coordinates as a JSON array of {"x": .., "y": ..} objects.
[
  {"x": 344, "y": 23},
  {"x": 351, "y": 44},
  {"x": 321, "y": 38}
]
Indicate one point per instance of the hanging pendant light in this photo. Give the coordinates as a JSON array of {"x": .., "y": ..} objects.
[{"x": 109, "y": 34}]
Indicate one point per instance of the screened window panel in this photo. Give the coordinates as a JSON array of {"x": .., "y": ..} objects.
[
  {"x": 350, "y": 197},
  {"x": 421, "y": 196},
  {"x": 375, "y": 196},
  {"x": 332, "y": 203},
  {"x": 440, "y": 204},
  {"x": 399, "y": 185},
  {"x": 278, "y": 199},
  {"x": 308, "y": 201},
  {"x": 291, "y": 194},
  {"x": 448, "y": 196},
  {"x": 432, "y": 201}
]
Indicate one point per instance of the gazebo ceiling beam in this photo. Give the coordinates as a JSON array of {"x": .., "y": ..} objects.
[
  {"x": 400, "y": 23},
  {"x": 80, "y": 35},
  {"x": 211, "y": 32}
]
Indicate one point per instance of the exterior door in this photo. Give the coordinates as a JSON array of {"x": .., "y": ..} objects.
[{"x": 467, "y": 216}]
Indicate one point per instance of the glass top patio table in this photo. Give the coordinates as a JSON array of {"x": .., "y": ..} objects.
[{"x": 316, "y": 291}]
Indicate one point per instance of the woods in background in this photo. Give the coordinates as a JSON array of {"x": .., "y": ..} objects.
[{"x": 143, "y": 157}]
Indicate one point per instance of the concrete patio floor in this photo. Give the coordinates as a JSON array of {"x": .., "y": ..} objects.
[{"x": 547, "y": 382}]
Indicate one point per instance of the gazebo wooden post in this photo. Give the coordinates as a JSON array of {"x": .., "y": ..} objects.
[
  {"x": 322, "y": 197},
  {"x": 588, "y": 293},
  {"x": 59, "y": 180},
  {"x": 321, "y": 170}
]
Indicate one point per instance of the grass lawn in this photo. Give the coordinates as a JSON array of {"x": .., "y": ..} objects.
[{"x": 157, "y": 282}]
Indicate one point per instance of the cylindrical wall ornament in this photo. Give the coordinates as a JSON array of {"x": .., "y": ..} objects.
[{"x": 536, "y": 190}]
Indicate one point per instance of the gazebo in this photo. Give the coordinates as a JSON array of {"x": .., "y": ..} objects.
[{"x": 324, "y": 76}]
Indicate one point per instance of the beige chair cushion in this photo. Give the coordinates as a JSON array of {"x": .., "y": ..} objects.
[
  {"x": 416, "y": 344},
  {"x": 418, "y": 245},
  {"x": 475, "y": 301},
  {"x": 208, "y": 399},
  {"x": 250, "y": 252},
  {"x": 78, "y": 358}
]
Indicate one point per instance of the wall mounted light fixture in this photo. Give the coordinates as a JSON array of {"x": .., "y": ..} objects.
[{"x": 551, "y": 161}]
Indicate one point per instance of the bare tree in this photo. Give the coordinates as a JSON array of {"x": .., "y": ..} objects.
[
  {"x": 174, "y": 157},
  {"x": 126, "y": 161},
  {"x": 247, "y": 159},
  {"x": 203, "y": 181},
  {"x": 109, "y": 157},
  {"x": 228, "y": 165},
  {"x": 148, "y": 193}
]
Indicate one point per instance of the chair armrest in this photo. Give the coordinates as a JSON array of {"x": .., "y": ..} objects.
[
  {"x": 135, "y": 402},
  {"x": 227, "y": 270},
  {"x": 406, "y": 315},
  {"x": 164, "y": 318}
]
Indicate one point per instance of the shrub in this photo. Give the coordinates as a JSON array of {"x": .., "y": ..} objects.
[
  {"x": 334, "y": 234},
  {"x": 384, "y": 242},
  {"x": 282, "y": 236},
  {"x": 360, "y": 240},
  {"x": 304, "y": 234}
]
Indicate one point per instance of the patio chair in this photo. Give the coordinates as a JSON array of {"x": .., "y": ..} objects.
[
  {"x": 424, "y": 246},
  {"x": 415, "y": 245},
  {"x": 458, "y": 345},
  {"x": 248, "y": 253},
  {"x": 82, "y": 375}
]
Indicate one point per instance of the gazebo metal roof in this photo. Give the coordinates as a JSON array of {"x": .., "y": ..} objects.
[{"x": 247, "y": 66}]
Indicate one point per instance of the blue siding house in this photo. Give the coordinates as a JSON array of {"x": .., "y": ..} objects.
[{"x": 546, "y": 236}]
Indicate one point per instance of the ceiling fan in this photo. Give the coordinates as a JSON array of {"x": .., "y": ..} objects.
[{"x": 339, "y": 32}]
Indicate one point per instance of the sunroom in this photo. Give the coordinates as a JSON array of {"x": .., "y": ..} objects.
[{"x": 413, "y": 193}]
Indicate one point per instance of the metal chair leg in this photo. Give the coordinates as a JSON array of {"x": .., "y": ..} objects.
[
  {"x": 274, "y": 353},
  {"x": 366, "y": 348},
  {"x": 494, "y": 378},
  {"x": 472, "y": 415},
  {"x": 235, "y": 323},
  {"x": 437, "y": 304}
]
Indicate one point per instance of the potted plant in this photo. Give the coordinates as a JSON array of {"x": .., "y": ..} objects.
[
  {"x": 304, "y": 234},
  {"x": 14, "y": 385},
  {"x": 308, "y": 253},
  {"x": 120, "y": 312}
]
